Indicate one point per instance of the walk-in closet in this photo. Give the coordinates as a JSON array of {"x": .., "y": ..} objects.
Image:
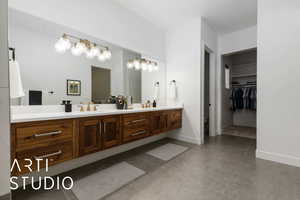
[{"x": 239, "y": 94}]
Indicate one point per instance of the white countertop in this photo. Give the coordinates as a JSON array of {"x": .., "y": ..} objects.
[{"x": 31, "y": 117}]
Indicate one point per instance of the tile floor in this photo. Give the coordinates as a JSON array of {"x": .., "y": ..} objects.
[{"x": 224, "y": 168}]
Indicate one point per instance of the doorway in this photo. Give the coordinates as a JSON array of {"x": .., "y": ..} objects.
[
  {"x": 238, "y": 94},
  {"x": 206, "y": 94}
]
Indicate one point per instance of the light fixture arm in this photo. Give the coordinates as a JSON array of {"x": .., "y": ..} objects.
[{"x": 85, "y": 41}]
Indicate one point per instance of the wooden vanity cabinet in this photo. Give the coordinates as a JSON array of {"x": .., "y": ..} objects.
[
  {"x": 175, "y": 119},
  {"x": 135, "y": 126},
  {"x": 165, "y": 121},
  {"x": 55, "y": 154},
  {"x": 52, "y": 140},
  {"x": 111, "y": 134},
  {"x": 66, "y": 139},
  {"x": 156, "y": 123},
  {"x": 89, "y": 136},
  {"x": 100, "y": 133}
]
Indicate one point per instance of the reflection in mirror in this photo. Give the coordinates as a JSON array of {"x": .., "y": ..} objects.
[
  {"x": 101, "y": 83},
  {"x": 44, "y": 72}
]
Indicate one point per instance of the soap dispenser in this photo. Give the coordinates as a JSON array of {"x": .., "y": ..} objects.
[{"x": 68, "y": 106}]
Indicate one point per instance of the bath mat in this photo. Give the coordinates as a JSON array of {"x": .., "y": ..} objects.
[
  {"x": 167, "y": 151},
  {"x": 104, "y": 182}
]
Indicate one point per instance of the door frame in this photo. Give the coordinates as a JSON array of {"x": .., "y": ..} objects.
[{"x": 212, "y": 92}]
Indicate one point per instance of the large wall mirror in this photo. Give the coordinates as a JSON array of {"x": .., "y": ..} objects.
[{"x": 49, "y": 77}]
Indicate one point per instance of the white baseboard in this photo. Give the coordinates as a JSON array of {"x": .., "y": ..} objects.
[
  {"x": 280, "y": 158},
  {"x": 185, "y": 139}
]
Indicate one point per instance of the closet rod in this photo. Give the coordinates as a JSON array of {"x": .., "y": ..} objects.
[{"x": 244, "y": 85}]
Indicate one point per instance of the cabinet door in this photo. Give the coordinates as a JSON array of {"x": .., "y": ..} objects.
[
  {"x": 111, "y": 132},
  {"x": 175, "y": 119},
  {"x": 89, "y": 137},
  {"x": 165, "y": 122},
  {"x": 156, "y": 123}
]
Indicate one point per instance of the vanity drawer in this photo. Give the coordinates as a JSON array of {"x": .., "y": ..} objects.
[
  {"x": 32, "y": 135},
  {"x": 134, "y": 134},
  {"x": 135, "y": 120},
  {"x": 55, "y": 154}
]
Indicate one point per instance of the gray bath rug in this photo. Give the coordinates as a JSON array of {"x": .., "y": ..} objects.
[
  {"x": 104, "y": 182},
  {"x": 167, "y": 151}
]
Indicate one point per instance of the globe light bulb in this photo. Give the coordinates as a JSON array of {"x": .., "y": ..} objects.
[
  {"x": 62, "y": 45},
  {"x": 144, "y": 65},
  {"x": 130, "y": 65},
  {"x": 107, "y": 54},
  {"x": 136, "y": 64},
  {"x": 79, "y": 49},
  {"x": 92, "y": 52},
  {"x": 150, "y": 67},
  {"x": 101, "y": 56},
  {"x": 155, "y": 67}
]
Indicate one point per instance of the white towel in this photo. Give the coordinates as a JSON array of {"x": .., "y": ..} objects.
[
  {"x": 173, "y": 92},
  {"x": 16, "y": 86},
  {"x": 227, "y": 78},
  {"x": 156, "y": 92}
]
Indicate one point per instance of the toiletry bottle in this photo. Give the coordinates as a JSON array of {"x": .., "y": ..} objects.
[
  {"x": 148, "y": 104},
  {"x": 154, "y": 104},
  {"x": 81, "y": 107},
  {"x": 68, "y": 106}
]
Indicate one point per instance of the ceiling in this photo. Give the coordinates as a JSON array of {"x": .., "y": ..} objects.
[{"x": 223, "y": 15}]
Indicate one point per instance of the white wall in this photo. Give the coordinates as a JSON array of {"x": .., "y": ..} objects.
[
  {"x": 278, "y": 81},
  {"x": 183, "y": 55},
  {"x": 4, "y": 104},
  {"x": 238, "y": 41},
  {"x": 229, "y": 43},
  {"x": 101, "y": 19}
]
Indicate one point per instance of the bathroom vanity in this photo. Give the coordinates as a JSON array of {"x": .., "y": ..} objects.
[{"x": 60, "y": 137}]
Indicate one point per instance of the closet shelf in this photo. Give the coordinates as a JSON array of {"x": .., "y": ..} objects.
[
  {"x": 242, "y": 75},
  {"x": 245, "y": 64}
]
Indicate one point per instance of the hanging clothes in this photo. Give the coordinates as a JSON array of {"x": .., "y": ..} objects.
[
  {"x": 237, "y": 98},
  {"x": 243, "y": 98},
  {"x": 252, "y": 97}
]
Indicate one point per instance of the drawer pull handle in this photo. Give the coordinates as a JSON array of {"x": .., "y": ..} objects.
[
  {"x": 138, "y": 133},
  {"x": 48, "y": 134},
  {"x": 48, "y": 155},
  {"x": 100, "y": 128},
  {"x": 136, "y": 121}
]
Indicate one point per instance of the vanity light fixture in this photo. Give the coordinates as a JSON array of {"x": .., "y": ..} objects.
[
  {"x": 80, "y": 46},
  {"x": 143, "y": 64}
]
